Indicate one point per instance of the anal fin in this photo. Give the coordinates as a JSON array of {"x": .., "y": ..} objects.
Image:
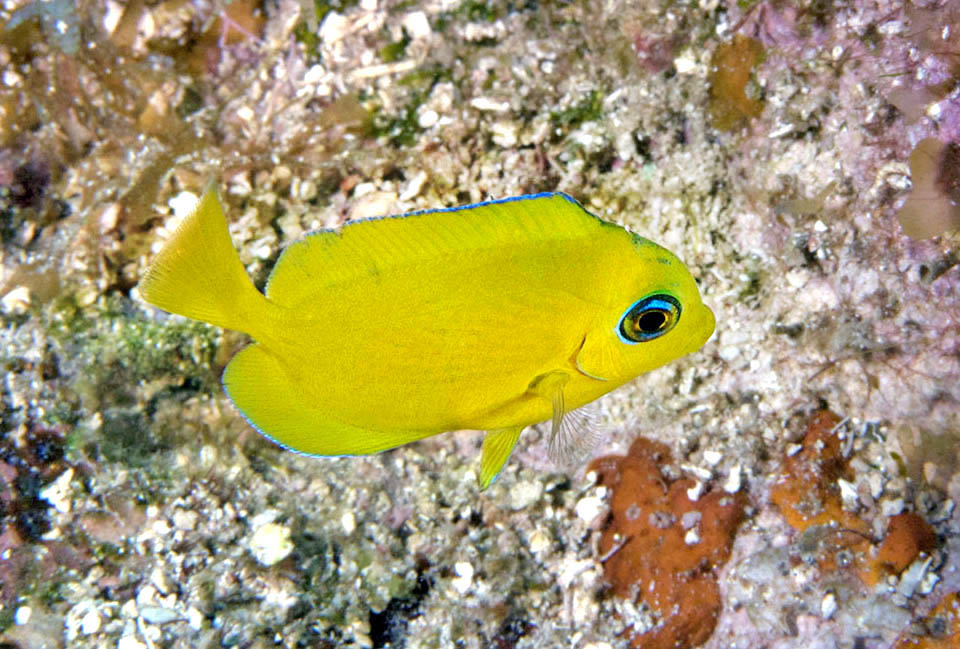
[{"x": 271, "y": 401}]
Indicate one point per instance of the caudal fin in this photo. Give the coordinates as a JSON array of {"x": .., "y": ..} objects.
[{"x": 198, "y": 274}]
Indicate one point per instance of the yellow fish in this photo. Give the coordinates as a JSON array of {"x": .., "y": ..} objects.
[{"x": 492, "y": 316}]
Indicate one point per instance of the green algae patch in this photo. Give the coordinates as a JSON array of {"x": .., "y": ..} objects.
[
  {"x": 116, "y": 347},
  {"x": 113, "y": 360},
  {"x": 588, "y": 109},
  {"x": 396, "y": 50}
]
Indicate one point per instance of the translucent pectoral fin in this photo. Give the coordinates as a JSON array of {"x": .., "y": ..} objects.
[
  {"x": 578, "y": 434},
  {"x": 497, "y": 446},
  {"x": 550, "y": 387},
  {"x": 572, "y": 434}
]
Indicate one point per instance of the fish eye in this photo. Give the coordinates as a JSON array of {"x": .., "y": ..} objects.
[{"x": 649, "y": 318}]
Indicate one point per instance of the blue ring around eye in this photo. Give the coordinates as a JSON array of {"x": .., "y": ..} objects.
[{"x": 658, "y": 302}]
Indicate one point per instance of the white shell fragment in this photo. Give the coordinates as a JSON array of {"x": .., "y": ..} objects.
[
  {"x": 828, "y": 606},
  {"x": 589, "y": 507},
  {"x": 732, "y": 484},
  {"x": 464, "y": 579},
  {"x": 271, "y": 544}
]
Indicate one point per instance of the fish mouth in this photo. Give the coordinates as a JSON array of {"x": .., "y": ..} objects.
[{"x": 709, "y": 321}]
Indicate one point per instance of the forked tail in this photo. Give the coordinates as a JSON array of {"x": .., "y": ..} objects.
[{"x": 198, "y": 274}]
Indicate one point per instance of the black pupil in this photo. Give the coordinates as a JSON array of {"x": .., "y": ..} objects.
[{"x": 652, "y": 321}]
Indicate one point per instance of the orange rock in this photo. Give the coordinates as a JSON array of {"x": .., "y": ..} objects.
[
  {"x": 807, "y": 494},
  {"x": 671, "y": 546},
  {"x": 907, "y": 536},
  {"x": 806, "y": 491},
  {"x": 943, "y": 627}
]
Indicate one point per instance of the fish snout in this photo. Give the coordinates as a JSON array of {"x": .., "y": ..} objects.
[{"x": 703, "y": 327}]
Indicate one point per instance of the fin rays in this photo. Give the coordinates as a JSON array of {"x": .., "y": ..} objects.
[
  {"x": 573, "y": 434},
  {"x": 577, "y": 434}
]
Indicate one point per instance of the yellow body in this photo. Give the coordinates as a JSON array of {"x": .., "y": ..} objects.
[{"x": 493, "y": 316}]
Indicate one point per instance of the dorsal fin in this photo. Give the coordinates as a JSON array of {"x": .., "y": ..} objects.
[{"x": 361, "y": 247}]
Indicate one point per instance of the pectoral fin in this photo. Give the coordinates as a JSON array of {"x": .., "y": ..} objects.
[
  {"x": 497, "y": 446},
  {"x": 550, "y": 387},
  {"x": 573, "y": 434}
]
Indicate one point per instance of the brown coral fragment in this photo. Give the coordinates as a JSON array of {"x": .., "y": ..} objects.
[
  {"x": 806, "y": 491},
  {"x": 671, "y": 545},
  {"x": 933, "y": 206},
  {"x": 730, "y": 69}
]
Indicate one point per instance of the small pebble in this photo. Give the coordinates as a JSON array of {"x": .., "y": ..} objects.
[
  {"x": 184, "y": 519},
  {"x": 334, "y": 27},
  {"x": 314, "y": 74},
  {"x": 729, "y": 352},
  {"x": 159, "y": 614},
  {"x": 183, "y": 204},
  {"x": 848, "y": 493},
  {"x": 525, "y": 494},
  {"x": 489, "y": 105},
  {"x": 371, "y": 204},
  {"x": 913, "y": 576},
  {"x": 929, "y": 581},
  {"x": 246, "y": 113},
  {"x": 732, "y": 485},
  {"x": 712, "y": 457},
  {"x": 464, "y": 579},
  {"x": 130, "y": 642},
  {"x": 271, "y": 544},
  {"x": 504, "y": 134},
  {"x": 110, "y": 216},
  {"x": 417, "y": 25},
  {"x": 690, "y": 519},
  {"x": 589, "y": 507},
  {"x": 428, "y": 118},
  {"x": 22, "y": 615},
  {"x": 58, "y": 492},
  {"x": 129, "y": 609},
  {"x": 414, "y": 186},
  {"x": 161, "y": 582},
  {"x": 828, "y": 606},
  {"x": 195, "y": 618},
  {"x": 90, "y": 623},
  {"x": 685, "y": 64},
  {"x": 539, "y": 542},
  {"x": 15, "y": 302},
  {"x": 891, "y": 506}
]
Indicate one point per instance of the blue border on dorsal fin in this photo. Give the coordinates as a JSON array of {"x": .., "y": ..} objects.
[{"x": 455, "y": 208}]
